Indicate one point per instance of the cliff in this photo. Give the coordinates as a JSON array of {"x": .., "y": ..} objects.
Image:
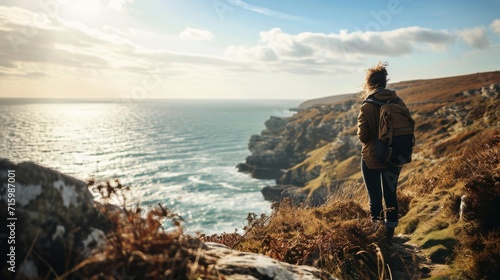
[
  {"x": 448, "y": 197},
  {"x": 317, "y": 150},
  {"x": 323, "y": 101}
]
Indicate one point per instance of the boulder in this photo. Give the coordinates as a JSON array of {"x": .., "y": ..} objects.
[
  {"x": 231, "y": 264},
  {"x": 52, "y": 216}
]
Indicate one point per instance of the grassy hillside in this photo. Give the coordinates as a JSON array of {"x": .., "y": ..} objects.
[{"x": 456, "y": 169}]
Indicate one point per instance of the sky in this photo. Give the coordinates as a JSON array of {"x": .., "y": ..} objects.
[{"x": 236, "y": 49}]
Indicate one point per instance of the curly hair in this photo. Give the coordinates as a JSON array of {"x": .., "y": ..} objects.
[{"x": 376, "y": 77}]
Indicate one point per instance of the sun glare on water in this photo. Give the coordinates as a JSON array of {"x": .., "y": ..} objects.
[{"x": 76, "y": 126}]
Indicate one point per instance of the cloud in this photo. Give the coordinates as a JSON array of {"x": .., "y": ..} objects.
[
  {"x": 475, "y": 37},
  {"x": 195, "y": 34},
  {"x": 267, "y": 12},
  {"x": 495, "y": 26},
  {"x": 59, "y": 48},
  {"x": 329, "y": 53},
  {"x": 53, "y": 47},
  {"x": 253, "y": 53},
  {"x": 28, "y": 42},
  {"x": 57, "y": 42},
  {"x": 323, "y": 49}
]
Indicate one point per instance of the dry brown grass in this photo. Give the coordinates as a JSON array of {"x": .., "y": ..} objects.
[
  {"x": 479, "y": 240},
  {"x": 338, "y": 237},
  {"x": 137, "y": 246},
  {"x": 443, "y": 88}
]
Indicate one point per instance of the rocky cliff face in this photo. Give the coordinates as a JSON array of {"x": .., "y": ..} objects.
[
  {"x": 269, "y": 153},
  {"x": 318, "y": 147},
  {"x": 286, "y": 141}
]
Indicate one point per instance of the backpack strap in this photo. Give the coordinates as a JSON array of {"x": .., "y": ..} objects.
[{"x": 373, "y": 100}]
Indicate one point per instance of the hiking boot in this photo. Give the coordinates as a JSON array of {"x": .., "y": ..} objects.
[{"x": 389, "y": 234}]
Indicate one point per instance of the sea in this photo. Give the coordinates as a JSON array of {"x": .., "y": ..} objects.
[{"x": 180, "y": 153}]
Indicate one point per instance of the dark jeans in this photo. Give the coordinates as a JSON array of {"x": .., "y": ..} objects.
[{"x": 382, "y": 182}]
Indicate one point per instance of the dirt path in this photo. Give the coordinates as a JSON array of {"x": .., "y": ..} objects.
[{"x": 408, "y": 262}]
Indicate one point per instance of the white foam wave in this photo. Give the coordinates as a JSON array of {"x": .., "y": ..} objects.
[
  {"x": 228, "y": 186},
  {"x": 177, "y": 139},
  {"x": 163, "y": 175},
  {"x": 197, "y": 180}
]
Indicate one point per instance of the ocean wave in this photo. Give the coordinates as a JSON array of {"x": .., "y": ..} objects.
[
  {"x": 228, "y": 186},
  {"x": 180, "y": 154},
  {"x": 196, "y": 179},
  {"x": 169, "y": 175}
]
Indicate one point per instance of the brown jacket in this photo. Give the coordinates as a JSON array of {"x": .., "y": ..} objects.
[{"x": 368, "y": 119}]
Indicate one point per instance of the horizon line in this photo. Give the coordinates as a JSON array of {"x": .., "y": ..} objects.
[{"x": 13, "y": 100}]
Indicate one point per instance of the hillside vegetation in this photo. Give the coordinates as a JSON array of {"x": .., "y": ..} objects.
[{"x": 449, "y": 195}]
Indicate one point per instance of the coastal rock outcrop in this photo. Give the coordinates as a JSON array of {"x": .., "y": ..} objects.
[
  {"x": 52, "y": 216},
  {"x": 269, "y": 152},
  {"x": 286, "y": 141},
  {"x": 279, "y": 151}
]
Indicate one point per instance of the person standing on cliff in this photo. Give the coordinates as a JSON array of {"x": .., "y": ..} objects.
[{"x": 380, "y": 178}]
